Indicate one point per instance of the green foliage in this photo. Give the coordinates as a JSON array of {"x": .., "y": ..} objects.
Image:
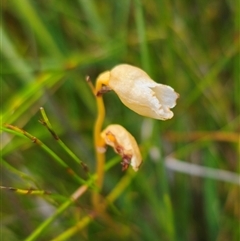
[{"x": 48, "y": 48}]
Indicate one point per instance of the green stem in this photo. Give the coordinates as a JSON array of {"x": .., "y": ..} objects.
[{"x": 60, "y": 210}]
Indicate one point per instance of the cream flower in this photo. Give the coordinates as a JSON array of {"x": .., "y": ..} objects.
[
  {"x": 139, "y": 92},
  {"x": 123, "y": 144}
]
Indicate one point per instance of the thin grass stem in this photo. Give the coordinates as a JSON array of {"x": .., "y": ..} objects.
[
  {"x": 48, "y": 150},
  {"x": 48, "y": 125},
  {"x": 78, "y": 193},
  {"x": 115, "y": 193}
]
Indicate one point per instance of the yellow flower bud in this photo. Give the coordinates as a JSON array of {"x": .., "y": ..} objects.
[
  {"x": 140, "y": 93},
  {"x": 123, "y": 144}
]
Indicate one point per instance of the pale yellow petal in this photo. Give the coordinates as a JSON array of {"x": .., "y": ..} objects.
[{"x": 124, "y": 144}]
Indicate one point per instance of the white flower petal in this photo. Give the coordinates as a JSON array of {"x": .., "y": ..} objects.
[{"x": 141, "y": 94}]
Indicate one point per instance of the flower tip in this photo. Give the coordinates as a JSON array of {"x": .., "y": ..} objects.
[
  {"x": 102, "y": 83},
  {"x": 104, "y": 77}
]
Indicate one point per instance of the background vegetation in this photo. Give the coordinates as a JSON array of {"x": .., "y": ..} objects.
[{"x": 49, "y": 47}]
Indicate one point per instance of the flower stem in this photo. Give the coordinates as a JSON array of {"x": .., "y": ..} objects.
[{"x": 99, "y": 144}]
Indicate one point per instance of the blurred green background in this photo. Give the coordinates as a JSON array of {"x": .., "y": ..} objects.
[{"x": 47, "y": 50}]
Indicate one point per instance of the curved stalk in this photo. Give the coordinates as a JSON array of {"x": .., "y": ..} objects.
[{"x": 98, "y": 141}]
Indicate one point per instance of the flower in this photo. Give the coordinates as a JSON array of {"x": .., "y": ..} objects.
[
  {"x": 139, "y": 92},
  {"x": 123, "y": 144}
]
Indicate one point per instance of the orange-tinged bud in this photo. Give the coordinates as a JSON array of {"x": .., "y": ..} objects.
[{"x": 123, "y": 144}]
